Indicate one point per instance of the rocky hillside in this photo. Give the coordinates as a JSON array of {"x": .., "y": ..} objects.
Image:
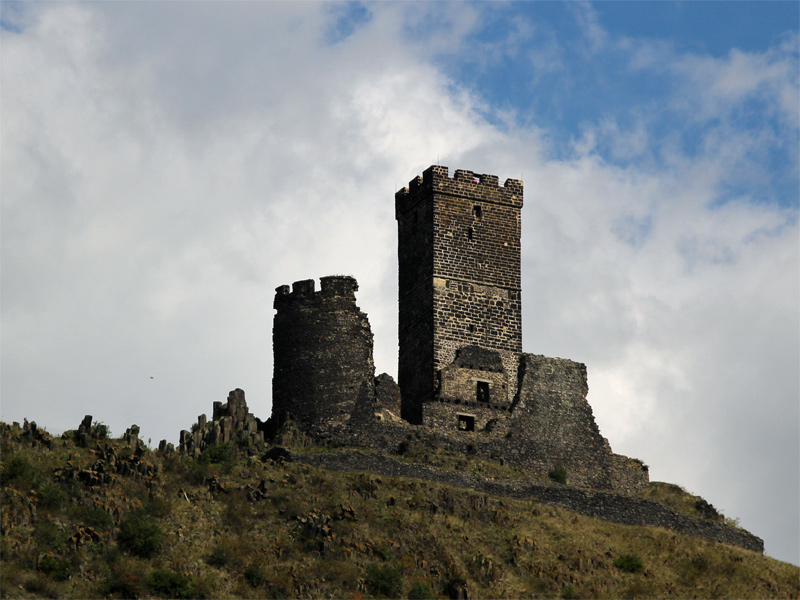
[{"x": 87, "y": 516}]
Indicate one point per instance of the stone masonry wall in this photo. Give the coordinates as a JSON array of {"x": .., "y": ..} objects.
[
  {"x": 322, "y": 345},
  {"x": 477, "y": 375},
  {"x": 459, "y": 274},
  {"x": 556, "y": 427},
  {"x": 551, "y": 404}
]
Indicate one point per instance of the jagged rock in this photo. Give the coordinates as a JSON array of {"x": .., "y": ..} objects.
[
  {"x": 258, "y": 493},
  {"x": 315, "y": 527},
  {"x": 215, "y": 485},
  {"x": 346, "y": 513},
  {"x": 132, "y": 435},
  {"x": 84, "y": 534},
  {"x": 230, "y": 422}
]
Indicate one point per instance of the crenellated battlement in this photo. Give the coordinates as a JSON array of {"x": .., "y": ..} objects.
[
  {"x": 304, "y": 291},
  {"x": 465, "y": 184},
  {"x": 323, "y": 353}
]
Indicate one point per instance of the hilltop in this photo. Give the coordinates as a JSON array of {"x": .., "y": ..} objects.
[{"x": 87, "y": 516}]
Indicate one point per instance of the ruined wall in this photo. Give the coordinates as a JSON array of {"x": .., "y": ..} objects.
[
  {"x": 459, "y": 275},
  {"x": 473, "y": 393},
  {"x": 475, "y": 375},
  {"x": 387, "y": 394},
  {"x": 554, "y": 426},
  {"x": 322, "y": 346},
  {"x": 551, "y": 404}
]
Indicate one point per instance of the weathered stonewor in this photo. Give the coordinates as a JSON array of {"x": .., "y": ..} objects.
[
  {"x": 231, "y": 422},
  {"x": 322, "y": 346},
  {"x": 387, "y": 398},
  {"x": 459, "y": 277},
  {"x": 552, "y": 425}
]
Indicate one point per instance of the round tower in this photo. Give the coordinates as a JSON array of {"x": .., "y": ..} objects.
[{"x": 322, "y": 346}]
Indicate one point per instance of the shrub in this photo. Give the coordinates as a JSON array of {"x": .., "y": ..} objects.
[
  {"x": 420, "y": 590},
  {"x": 139, "y": 534},
  {"x": 122, "y": 583},
  {"x": 94, "y": 517},
  {"x": 170, "y": 584},
  {"x": 559, "y": 475},
  {"x": 384, "y": 552},
  {"x": 221, "y": 557},
  {"x": 158, "y": 506},
  {"x": 216, "y": 454},
  {"x": 733, "y": 522},
  {"x": 59, "y": 569},
  {"x": 196, "y": 472},
  {"x": 699, "y": 563},
  {"x": 383, "y": 581},
  {"x": 630, "y": 563},
  {"x": 15, "y": 469},
  {"x": 254, "y": 575},
  {"x": 568, "y": 592},
  {"x": 100, "y": 431},
  {"x": 51, "y": 496},
  {"x": 40, "y": 587},
  {"x": 204, "y": 586},
  {"x": 48, "y": 535},
  {"x": 277, "y": 593}
]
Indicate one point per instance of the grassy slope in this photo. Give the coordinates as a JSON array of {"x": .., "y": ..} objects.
[{"x": 322, "y": 534}]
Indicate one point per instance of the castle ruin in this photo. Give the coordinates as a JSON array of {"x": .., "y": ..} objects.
[{"x": 463, "y": 380}]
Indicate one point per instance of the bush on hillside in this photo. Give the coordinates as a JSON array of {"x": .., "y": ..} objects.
[
  {"x": 59, "y": 569},
  {"x": 420, "y": 590},
  {"x": 630, "y": 563},
  {"x": 170, "y": 584},
  {"x": 384, "y": 581},
  {"x": 139, "y": 534}
]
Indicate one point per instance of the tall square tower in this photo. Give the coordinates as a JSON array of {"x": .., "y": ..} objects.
[{"x": 459, "y": 277}]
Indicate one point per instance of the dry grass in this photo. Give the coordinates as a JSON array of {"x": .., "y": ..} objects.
[{"x": 325, "y": 534}]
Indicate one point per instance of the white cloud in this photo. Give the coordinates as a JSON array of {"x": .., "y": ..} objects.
[{"x": 595, "y": 37}]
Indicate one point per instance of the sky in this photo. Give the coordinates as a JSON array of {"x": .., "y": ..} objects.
[{"x": 164, "y": 166}]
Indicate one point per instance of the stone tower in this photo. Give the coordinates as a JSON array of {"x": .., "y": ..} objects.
[
  {"x": 459, "y": 288},
  {"x": 322, "y": 347}
]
